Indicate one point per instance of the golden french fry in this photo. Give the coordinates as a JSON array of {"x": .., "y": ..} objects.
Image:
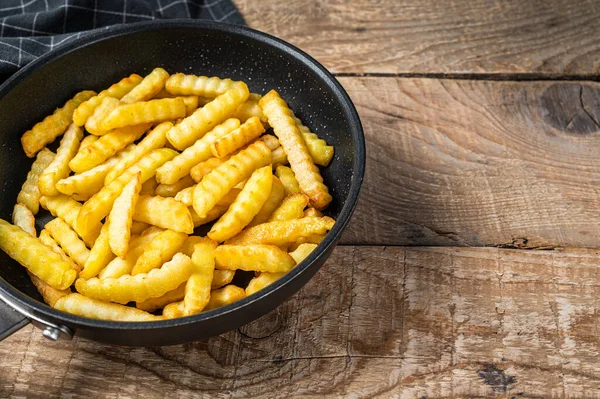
[
  {"x": 237, "y": 138},
  {"x": 48, "y": 241},
  {"x": 157, "y": 138},
  {"x": 87, "y": 140},
  {"x": 53, "y": 126},
  {"x": 312, "y": 213},
  {"x": 100, "y": 255},
  {"x": 282, "y": 232},
  {"x": 319, "y": 151},
  {"x": 221, "y": 180},
  {"x": 245, "y": 206},
  {"x": 188, "y": 245},
  {"x": 271, "y": 141},
  {"x": 31, "y": 253},
  {"x": 81, "y": 305},
  {"x": 152, "y": 84},
  {"x": 68, "y": 209},
  {"x": 119, "y": 267},
  {"x": 259, "y": 258},
  {"x": 138, "y": 227},
  {"x": 275, "y": 198},
  {"x": 49, "y": 293},
  {"x": 152, "y": 304},
  {"x": 203, "y": 168},
  {"x": 197, "y": 289},
  {"x": 281, "y": 119},
  {"x": 278, "y": 157},
  {"x": 68, "y": 241},
  {"x": 140, "y": 287},
  {"x": 30, "y": 191},
  {"x": 221, "y": 278},
  {"x": 23, "y": 218},
  {"x": 225, "y": 296},
  {"x": 191, "y": 104},
  {"x": 171, "y": 190},
  {"x": 181, "y": 84},
  {"x": 206, "y": 118},
  {"x": 163, "y": 212},
  {"x": 99, "y": 206},
  {"x": 144, "y": 112},
  {"x": 117, "y": 90},
  {"x": 120, "y": 217},
  {"x": 59, "y": 167},
  {"x": 262, "y": 281},
  {"x": 200, "y": 151},
  {"x": 288, "y": 179},
  {"x": 186, "y": 196},
  {"x": 160, "y": 250},
  {"x": 149, "y": 187},
  {"x": 94, "y": 121},
  {"x": 105, "y": 147},
  {"x": 250, "y": 109},
  {"x": 292, "y": 207},
  {"x": 303, "y": 250}
]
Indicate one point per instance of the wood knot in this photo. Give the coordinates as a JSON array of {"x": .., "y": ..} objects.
[
  {"x": 572, "y": 107},
  {"x": 495, "y": 377}
]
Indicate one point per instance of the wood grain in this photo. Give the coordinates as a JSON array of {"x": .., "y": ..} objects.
[
  {"x": 547, "y": 38},
  {"x": 374, "y": 322},
  {"x": 478, "y": 163}
]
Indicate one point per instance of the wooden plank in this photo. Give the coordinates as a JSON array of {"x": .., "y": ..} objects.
[
  {"x": 478, "y": 163},
  {"x": 374, "y": 322},
  {"x": 554, "y": 37}
]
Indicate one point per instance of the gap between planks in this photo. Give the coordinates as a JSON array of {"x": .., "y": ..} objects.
[{"x": 498, "y": 77}]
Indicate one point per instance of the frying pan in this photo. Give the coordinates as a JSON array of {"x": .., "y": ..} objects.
[{"x": 206, "y": 48}]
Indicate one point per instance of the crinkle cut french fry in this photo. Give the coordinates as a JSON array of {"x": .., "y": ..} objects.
[
  {"x": 99, "y": 206},
  {"x": 271, "y": 141},
  {"x": 94, "y": 121},
  {"x": 48, "y": 293},
  {"x": 203, "y": 168},
  {"x": 144, "y": 112},
  {"x": 35, "y": 256},
  {"x": 222, "y": 278},
  {"x": 53, "y": 126},
  {"x": 198, "y": 287},
  {"x": 48, "y": 241},
  {"x": 80, "y": 305},
  {"x": 160, "y": 250},
  {"x": 312, "y": 213},
  {"x": 282, "y": 232},
  {"x": 119, "y": 267},
  {"x": 84, "y": 185},
  {"x": 157, "y": 138},
  {"x": 292, "y": 207},
  {"x": 200, "y": 151},
  {"x": 105, "y": 147},
  {"x": 59, "y": 167},
  {"x": 138, "y": 227},
  {"x": 319, "y": 151},
  {"x": 212, "y": 215},
  {"x": 68, "y": 241},
  {"x": 68, "y": 209},
  {"x": 186, "y": 196},
  {"x": 221, "y": 180},
  {"x": 245, "y": 206},
  {"x": 163, "y": 212},
  {"x": 120, "y": 217},
  {"x": 281, "y": 119},
  {"x": 138, "y": 288},
  {"x": 206, "y": 118},
  {"x": 152, "y": 84},
  {"x": 181, "y": 84},
  {"x": 225, "y": 296},
  {"x": 152, "y": 304},
  {"x": 278, "y": 157},
  {"x": 149, "y": 187},
  {"x": 250, "y": 109},
  {"x": 188, "y": 245},
  {"x": 262, "y": 281},
  {"x": 303, "y": 250},
  {"x": 275, "y": 198},
  {"x": 171, "y": 190},
  {"x": 288, "y": 179},
  {"x": 191, "y": 104},
  {"x": 238, "y": 138},
  {"x": 23, "y": 218},
  {"x": 100, "y": 255},
  {"x": 258, "y": 258},
  {"x": 30, "y": 191},
  {"x": 117, "y": 90},
  {"x": 87, "y": 140}
]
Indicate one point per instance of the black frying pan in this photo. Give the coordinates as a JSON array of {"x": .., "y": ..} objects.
[{"x": 206, "y": 48}]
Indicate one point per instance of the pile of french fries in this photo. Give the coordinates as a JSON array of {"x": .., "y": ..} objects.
[{"x": 143, "y": 163}]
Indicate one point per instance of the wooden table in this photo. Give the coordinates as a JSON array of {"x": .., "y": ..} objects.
[{"x": 463, "y": 272}]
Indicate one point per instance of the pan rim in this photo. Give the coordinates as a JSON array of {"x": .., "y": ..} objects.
[{"x": 331, "y": 238}]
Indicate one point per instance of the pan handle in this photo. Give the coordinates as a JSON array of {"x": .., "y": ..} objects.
[{"x": 11, "y": 320}]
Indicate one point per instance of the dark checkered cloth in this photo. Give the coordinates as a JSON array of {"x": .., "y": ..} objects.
[{"x": 30, "y": 28}]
